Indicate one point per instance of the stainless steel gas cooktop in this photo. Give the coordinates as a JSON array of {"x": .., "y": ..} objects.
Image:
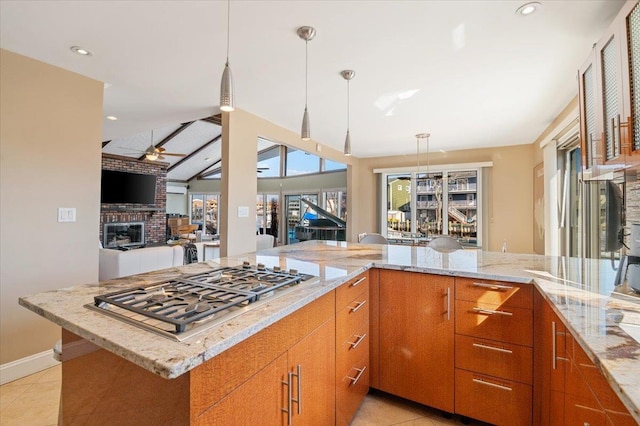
[{"x": 184, "y": 307}]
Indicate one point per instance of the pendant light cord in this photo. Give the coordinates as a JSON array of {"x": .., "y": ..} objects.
[
  {"x": 228, "y": 26},
  {"x": 306, "y": 71},
  {"x": 348, "y": 109}
]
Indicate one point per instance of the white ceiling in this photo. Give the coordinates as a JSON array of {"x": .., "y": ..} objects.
[{"x": 471, "y": 73}]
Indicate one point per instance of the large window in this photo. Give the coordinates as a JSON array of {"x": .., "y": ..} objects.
[
  {"x": 269, "y": 162},
  {"x": 420, "y": 206},
  {"x": 335, "y": 202},
  {"x": 267, "y": 210},
  {"x": 204, "y": 212},
  {"x": 301, "y": 163}
]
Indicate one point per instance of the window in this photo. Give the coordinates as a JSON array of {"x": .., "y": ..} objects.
[
  {"x": 269, "y": 162},
  {"x": 441, "y": 202},
  {"x": 335, "y": 202},
  {"x": 301, "y": 163},
  {"x": 330, "y": 165},
  {"x": 267, "y": 210},
  {"x": 204, "y": 212}
]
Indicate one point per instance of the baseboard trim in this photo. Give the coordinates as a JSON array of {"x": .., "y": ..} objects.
[{"x": 25, "y": 366}]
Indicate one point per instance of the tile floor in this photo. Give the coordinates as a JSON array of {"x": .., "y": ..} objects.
[{"x": 33, "y": 401}]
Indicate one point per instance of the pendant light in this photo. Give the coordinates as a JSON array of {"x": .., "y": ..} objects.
[
  {"x": 307, "y": 34},
  {"x": 418, "y": 137},
  {"x": 226, "y": 84},
  {"x": 347, "y": 75}
]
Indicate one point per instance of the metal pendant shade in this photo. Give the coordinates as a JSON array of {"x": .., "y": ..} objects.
[
  {"x": 227, "y": 93},
  {"x": 347, "y": 144},
  {"x": 305, "y": 133},
  {"x": 307, "y": 34},
  {"x": 348, "y": 75},
  {"x": 226, "y": 89}
]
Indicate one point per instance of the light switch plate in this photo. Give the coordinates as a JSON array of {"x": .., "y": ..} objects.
[
  {"x": 243, "y": 211},
  {"x": 66, "y": 214}
]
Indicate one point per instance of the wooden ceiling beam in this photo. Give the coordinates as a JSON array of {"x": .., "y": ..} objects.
[
  {"x": 182, "y": 128},
  {"x": 212, "y": 141},
  {"x": 200, "y": 174}
]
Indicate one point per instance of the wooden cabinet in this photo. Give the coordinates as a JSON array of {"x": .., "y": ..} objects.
[
  {"x": 609, "y": 98},
  {"x": 352, "y": 347},
  {"x": 416, "y": 344},
  {"x": 569, "y": 388},
  {"x": 248, "y": 384},
  {"x": 311, "y": 378},
  {"x": 493, "y": 352},
  {"x": 298, "y": 388}
]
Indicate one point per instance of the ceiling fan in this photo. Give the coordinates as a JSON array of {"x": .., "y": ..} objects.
[
  {"x": 154, "y": 153},
  {"x": 157, "y": 153}
]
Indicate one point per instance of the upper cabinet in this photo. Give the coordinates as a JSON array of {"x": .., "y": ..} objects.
[{"x": 610, "y": 97}]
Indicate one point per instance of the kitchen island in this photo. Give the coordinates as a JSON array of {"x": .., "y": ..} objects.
[{"x": 579, "y": 291}]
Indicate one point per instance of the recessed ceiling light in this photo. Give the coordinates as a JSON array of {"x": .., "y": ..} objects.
[
  {"x": 528, "y": 8},
  {"x": 81, "y": 51},
  {"x": 111, "y": 117}
]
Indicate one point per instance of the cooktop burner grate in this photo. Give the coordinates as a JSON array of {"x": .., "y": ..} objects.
[{"x": 174, "y": 305}]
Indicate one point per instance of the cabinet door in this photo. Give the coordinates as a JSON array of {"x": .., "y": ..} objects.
[
  {"x": 629, "y": 22},
  {"x": 259, "y": 400},
  {"x": 590, "y": 149},
  {"x": 416, "y": 357},
  {"x": 550, "y": 363},
  {"x": 312, "y": 363}
]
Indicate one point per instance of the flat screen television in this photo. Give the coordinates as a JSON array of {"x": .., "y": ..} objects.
[
  {"x": 614, "y": 217},
  {"x": 127, "y": 188}
]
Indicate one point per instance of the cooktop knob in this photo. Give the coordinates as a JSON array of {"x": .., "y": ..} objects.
[
  {"x": 261, "y": 267},
  {"x": 276, "y": 269},
  {"x": 293, "y": 271},
  {"x": 246, "y": 264}
]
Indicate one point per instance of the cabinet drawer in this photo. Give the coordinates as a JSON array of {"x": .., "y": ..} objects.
[
  {"x": 353, "y": 321},
  {"x": 495, "y": 292},
  {"x": 492, "y": 400},
  {"x": 578, "y": 411},
  {"x": 494, "y": 322},
  {"x": 596, "y": 381},
  {"x": 352, "y": 385},
  {"x": 504, "y": 360},
  {"x": 352, "y": 288}
]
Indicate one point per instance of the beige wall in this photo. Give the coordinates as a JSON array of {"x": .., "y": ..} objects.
[
  {"x": 240, "y": 131},
  {"x": 509, "y": 199},
  {"x": 50, "y": 133}
]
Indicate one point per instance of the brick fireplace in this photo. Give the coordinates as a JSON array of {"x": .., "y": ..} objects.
[{"x": 153, "y": 216}]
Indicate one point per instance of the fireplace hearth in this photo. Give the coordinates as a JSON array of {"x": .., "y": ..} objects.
[{"x": 123, "y": 234}]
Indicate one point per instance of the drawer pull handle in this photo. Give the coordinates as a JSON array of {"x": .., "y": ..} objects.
[
  {"x": 495, "y": 385},
  {"x": 358, "y": 306},
  {"x": 491, "y": 312},
  {"x": 554, "y": 357},
  {"x": 354, "y": 380},
  {"x": 358, "y": 341},
  {"x": 355, "y": 283},
  {"x": 493, "y": 348},
  {"x": 496, "y": 287}
]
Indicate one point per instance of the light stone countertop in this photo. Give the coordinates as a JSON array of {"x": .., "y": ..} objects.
[{"x": 580, "y": 291}]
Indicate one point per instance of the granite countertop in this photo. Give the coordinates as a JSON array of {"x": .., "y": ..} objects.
[{"x": 580, "y": 290}]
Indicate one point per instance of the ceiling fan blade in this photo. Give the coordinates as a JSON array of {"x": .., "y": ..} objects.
[
  {"x": 160, "y": 149},
  {"x": 173, "y": 154}
]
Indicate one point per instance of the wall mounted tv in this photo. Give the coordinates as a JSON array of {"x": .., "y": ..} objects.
[{"x": 127, "y": 188}]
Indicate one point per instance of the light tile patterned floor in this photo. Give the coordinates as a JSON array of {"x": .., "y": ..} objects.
[{"x": 34, "y": 401}]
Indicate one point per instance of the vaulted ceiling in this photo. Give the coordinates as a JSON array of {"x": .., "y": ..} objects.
[{"x": 471, "y": 73}]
